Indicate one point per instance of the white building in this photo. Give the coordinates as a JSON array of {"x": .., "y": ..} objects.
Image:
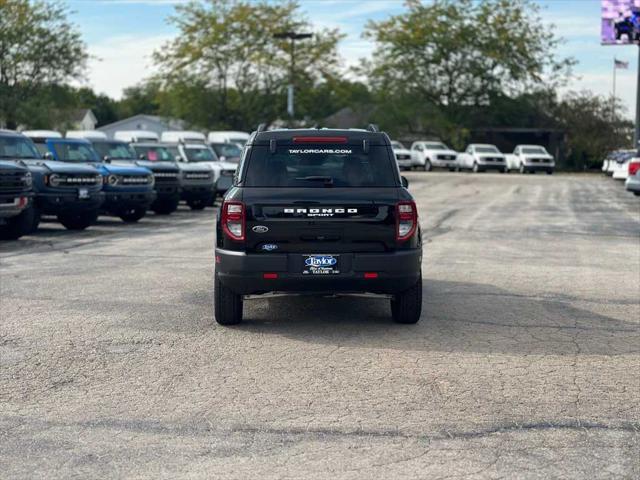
[{"x": 151, "y": 123}]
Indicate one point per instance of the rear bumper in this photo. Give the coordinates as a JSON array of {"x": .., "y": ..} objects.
[
  {"x": 11, "y": 205},
  {"x": 117, "y": 201},
  {"x": 243, "y": 273},
  {"x": 632, "y": 184},
  {"x": 55, "y": 203}
]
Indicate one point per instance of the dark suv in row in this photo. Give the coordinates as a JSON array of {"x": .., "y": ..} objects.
[{"x": 318, "y": 211}]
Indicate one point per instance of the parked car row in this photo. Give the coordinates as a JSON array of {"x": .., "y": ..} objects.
[
  {"x": 478, "y": 157},
  {"x": 84, "y": 174},
  {"x": 624, "y": 165}
]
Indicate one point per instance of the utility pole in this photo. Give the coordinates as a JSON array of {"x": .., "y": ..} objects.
[
  {"x": 292, "y": 36},
  {"x": 637, "y": 135}
]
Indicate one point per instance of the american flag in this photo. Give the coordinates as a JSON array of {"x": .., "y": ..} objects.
[{"x": 621, "y": 64}]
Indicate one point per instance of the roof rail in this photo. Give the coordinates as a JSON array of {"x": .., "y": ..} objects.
[
  {"x": 373, "y": 128},
  {"x": 262, "y": 127}
]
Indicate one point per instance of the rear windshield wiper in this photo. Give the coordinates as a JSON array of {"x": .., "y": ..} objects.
[{"x": 328, "y": 181}]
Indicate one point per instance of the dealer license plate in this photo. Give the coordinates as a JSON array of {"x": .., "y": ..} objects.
[{"x": 321, "y": 264}]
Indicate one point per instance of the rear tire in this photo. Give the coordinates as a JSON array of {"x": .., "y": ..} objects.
[
  {"x": 19, "y": 225},
  {"x": 406, "y": 307},
  {"x": 77, "y": 221},
  {"x": 165, "y": 207},
  {"x": 133, "y": 215},
  {"x": 549, "y": 172},
  {"x": 227, "y": 305}
]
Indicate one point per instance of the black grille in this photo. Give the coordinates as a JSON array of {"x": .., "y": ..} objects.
[
  {"x": 79, "y": 180},
  {"x": 12, "y": 182},
  {"x": 135, "y": 180},
  {"x": 197, "y": 176},
  {"x": 403, "y": 157},
  {"x": 446, "y": 157},
  {"x": 227, "y": 173},
  {"x": 165, "y": 177}
]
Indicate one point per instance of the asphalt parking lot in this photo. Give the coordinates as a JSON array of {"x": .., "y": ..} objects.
[{"x": 525, "y": 364}]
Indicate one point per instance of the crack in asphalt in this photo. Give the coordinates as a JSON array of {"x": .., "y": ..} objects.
[{"x": 146, "y": 426}]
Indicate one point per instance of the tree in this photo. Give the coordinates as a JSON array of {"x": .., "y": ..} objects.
[
  {"x": 39, "y": 47},
  {"x": 227, "y": 46},
  {"x": 452, "y": 54},
  {"x": 142, "y": 98},
  {"x": 591, "y": 131}
]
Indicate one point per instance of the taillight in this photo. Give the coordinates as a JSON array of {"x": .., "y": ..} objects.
[
  {"x": 233, "y": 220},
  {"x": 634, "y": 167},
  {"x": 406, "y": 220}
]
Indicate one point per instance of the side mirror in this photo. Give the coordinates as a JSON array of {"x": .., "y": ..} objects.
[
  {"x": 223, "y": 158},
  {"x": 48, "y": 156},
  {"x": 405, "y": 182},
  {"x": 141, "y": 156},
  {"x": 107, "y": 159}
]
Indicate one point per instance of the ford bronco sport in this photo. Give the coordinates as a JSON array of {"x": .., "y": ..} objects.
[{"x": 318, "y": 211}]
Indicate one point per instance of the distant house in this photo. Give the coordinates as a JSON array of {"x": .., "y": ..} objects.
[
  {"x": 78, "y": 119},
  {"x": 151, "y": 123},
  {"x": 83, "y": 119}
]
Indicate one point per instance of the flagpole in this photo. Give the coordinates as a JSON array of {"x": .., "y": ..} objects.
[{"x": 613, "y": 103}]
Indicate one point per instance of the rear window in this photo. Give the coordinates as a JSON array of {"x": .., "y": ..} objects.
[{"x": 320, "y": 166}]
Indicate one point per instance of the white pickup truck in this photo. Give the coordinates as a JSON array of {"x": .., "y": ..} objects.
[
  {"x": 480, "y": 157},
  {"x": 530, "y": 158},
  {"x": 430, "y": 155}
]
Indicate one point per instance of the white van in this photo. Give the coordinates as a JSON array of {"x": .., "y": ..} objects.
[
  {"x": 136, "y": 136},
  {"x": 39, "y": 136},
  {"x": 87, "y": 134},
  {"x": 42, "y": 134},
  {"x": 182, "y": 136},
  {"x": 229, "y": 136}
]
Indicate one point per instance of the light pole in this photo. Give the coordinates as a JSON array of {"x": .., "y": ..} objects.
[
  {"x": 637, "y": 129},
  {"x": 292, "y": 36}
]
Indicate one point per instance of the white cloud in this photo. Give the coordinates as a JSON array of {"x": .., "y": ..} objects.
[{"x": 122, "y": 61}]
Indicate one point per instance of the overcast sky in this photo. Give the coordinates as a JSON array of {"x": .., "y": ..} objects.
[{"x": 122, "y": 34}]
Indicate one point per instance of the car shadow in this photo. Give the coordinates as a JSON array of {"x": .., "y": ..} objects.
[{"x": 456, "y": 317}]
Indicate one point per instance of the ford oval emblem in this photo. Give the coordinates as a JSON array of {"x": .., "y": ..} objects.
[{"x": 260, "y": 229}]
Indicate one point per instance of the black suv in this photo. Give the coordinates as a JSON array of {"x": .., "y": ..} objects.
[{"x": 318, "y": 211}]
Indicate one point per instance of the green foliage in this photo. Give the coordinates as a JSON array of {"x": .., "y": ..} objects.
[
  {"x": 463, "y": 52},
  {"x": 593, "y": 128},
  {"x": 228, "y": 47},
  {"x": 39, "y": 47}
]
